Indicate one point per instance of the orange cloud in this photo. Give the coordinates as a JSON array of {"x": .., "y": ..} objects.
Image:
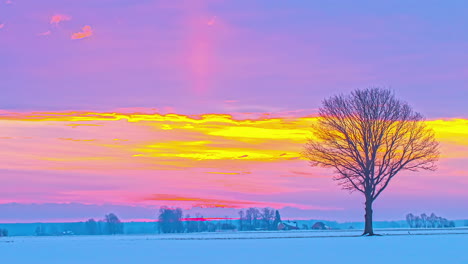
[
  {"x": 304, "y": 174},
  {"x": 224, "y": 203},
  {"x": 229, "y": 173},
  {"x": 56, "y": 19},
  {"x": 173, "y": 153},
  {"x": 86, "y": 32}
]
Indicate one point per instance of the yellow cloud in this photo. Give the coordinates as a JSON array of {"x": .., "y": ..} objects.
[{"x": 179, "y": 141}]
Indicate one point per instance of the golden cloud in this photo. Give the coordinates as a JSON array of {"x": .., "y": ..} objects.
[{"x": 182, "y": 141}]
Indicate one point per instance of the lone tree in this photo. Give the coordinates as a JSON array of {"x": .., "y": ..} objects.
[
  {"x": 367, "y": 137},
  {"x": 114, "y": 225}
]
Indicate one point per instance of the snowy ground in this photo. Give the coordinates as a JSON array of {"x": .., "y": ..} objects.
[{"x": 396, "y": 246}]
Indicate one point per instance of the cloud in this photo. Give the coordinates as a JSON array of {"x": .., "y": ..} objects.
[
  {"x": 2, "y": 26},
  {"x": 86, "y": 32},
  {"x": 56, "y": 19},
  {"x": 210, "y": 160},
  {"x": 223, "y": 203},
  {"x": 228, "y": 173},
  {"x": 47, "y": 33},
  {"x": 212, "y": 21},
  {"x": 76, "y": 140}
]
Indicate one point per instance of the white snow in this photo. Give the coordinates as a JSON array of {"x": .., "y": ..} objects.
[{"x": 396, "y": 246}]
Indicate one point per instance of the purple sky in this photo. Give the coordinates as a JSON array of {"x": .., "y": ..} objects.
[
  {"x": 239, "y": 57},
  {"x": 269, "y": 55}
]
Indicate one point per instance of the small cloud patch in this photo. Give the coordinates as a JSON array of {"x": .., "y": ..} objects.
[
  {"x": 86, "y": 32},
  {"x": 212, "y": 21},
  {"x": 47, "y": 33},
  {"x": 56, "y": 19}
]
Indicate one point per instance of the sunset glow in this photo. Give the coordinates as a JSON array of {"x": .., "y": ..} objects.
[
  {"x": 189, "y": 159},
  {"x": 207, "y": 104}
]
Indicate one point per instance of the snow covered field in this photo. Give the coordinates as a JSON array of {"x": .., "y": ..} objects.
[{"x": 396, "y": 246}]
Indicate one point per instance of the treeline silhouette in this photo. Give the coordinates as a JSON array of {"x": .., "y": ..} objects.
[
  {"x": 3, "y": 232},
  {"x": 173, "y": 220},
  {"x": 424, "y": 221},
  {"x": 110, "y": 225},
  {"x": 170, "y": 220},
  {"x": 259, "y": 219}
]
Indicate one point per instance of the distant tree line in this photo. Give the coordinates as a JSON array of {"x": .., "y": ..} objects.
[
  {"x": 200, "y": 224},
  {"x": 3, "y": 232},
  {"x": 110, "y": 225},
  {"x": 170, "y": 220},
  {"x": 424, "y": 221},
  {"x": 259, "y": 219},
  {"x": 113, "y": 224}
]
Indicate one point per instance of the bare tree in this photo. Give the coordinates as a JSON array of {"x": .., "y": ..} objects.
[
  {"x": 113, "y": 224},
  {"x": 268, "y": 217},
  {"x": 424, "y": 220},
  {"x": 170, "y": 220},
  {"x": 417, "y": 221},
  {"x": 410, "y": 220},
  {"x": 432, "y": 220},
  {"x": 241, "y": 220},
  {"x": 368, "y": 137},
  {"x": 91, "y": 227}
]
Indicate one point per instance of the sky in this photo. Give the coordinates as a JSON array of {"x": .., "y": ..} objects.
[{"x": 128, "y": 105}]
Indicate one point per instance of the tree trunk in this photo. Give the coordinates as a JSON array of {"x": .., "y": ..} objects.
[{"x": 368, "y": 229}]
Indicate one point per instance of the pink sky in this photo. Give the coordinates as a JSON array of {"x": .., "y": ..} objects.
[
  {"x": 207, "y": 103},
  {"x": 213, "y": 160}
]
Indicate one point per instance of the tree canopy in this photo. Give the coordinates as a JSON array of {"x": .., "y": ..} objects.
[{"x": 369, "y": 136}]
